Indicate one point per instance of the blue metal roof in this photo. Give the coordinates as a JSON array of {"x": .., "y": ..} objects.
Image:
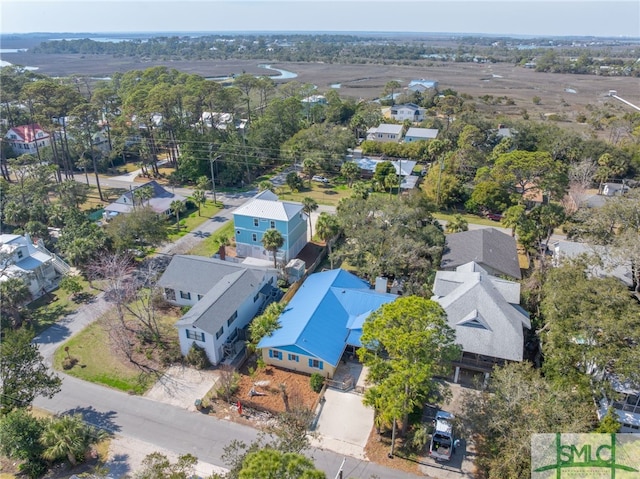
[{"x": 324, "y": 313}]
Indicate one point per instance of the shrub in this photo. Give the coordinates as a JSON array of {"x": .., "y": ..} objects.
[
  {"x": 197, "y": 357},
  {"x": 316, "y": 382},
  {"x": 69, "y": 362},
  {"x": 227, "y": 383}
]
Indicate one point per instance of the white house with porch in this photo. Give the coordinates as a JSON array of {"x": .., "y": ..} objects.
[
  {"x": 32, "y": 262},
  {"x": 224, "y": 298}
]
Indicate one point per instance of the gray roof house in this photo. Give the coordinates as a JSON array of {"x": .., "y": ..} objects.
[
  {"x": 224, "y": 298},
  {"x": 385, "y": 132},
  {"x": 619, "y": 268},
  {"x": 160, "y": 201},
  {"x": 485, "y": 313},
  {"x": 420, "y": 134},
  {"x": 492, "y": 249}
]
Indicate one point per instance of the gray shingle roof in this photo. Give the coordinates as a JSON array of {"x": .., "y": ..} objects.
[
  {"x": 489, "y": 247},
  {"x": 222, "y": 301},
  {"x": 198, "y": 274},
  {"x": 479, "y": 307}
]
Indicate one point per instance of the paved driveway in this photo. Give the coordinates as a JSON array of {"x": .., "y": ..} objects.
[
  {"x": 181, "y": 386},
  {"x": 344, "y": 424}
]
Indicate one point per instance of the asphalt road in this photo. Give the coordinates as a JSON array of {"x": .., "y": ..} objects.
[{"x": 163, "y": 425}]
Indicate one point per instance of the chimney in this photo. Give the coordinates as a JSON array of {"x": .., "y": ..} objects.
[{"x": 381, "y": 285}]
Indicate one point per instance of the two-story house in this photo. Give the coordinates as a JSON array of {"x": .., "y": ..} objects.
[
  {"x": 27, "y": 139},
  {"x": 385, "y": 132},
  {"x": 265, "y": 212},
  {"x": 32, "y": 262},
  {"x": 408, "y": 111},
  {"x": 224, "y": 298},
  {"x": 485, "y": 313},
  {"x": 421, "y": 85}
]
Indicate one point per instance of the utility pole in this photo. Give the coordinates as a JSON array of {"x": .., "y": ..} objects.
[{"x": 213, "y": 178}]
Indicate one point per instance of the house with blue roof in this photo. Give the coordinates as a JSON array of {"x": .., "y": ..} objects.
[
  {"x": 265, "y": 212},
  {"x": 323, "y": 319}
]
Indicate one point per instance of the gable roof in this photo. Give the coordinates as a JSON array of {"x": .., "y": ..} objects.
[
  {"x": 222, "y": 300},
  {"x": 266, "y": 205},
  {"x": 390, "y": 129},
  {"x": 484, "y": 311},
  {"x": 27, "y": 133},
  {"x": 224, "y": 286},
  {"x": 488, "y": 247},
  {"x": 426, "y": 133},
  {"x": 406, "y": 106},
  {"x": 198, "y": 274},
  {"x": 159, "y": 202},
  {"x": 326, "y": 314}
]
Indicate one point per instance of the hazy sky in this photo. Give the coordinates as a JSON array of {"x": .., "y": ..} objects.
[{"x": 530, "y": 17}]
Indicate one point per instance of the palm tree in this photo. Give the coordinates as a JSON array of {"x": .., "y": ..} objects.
[
  {"x": 272, "y": 240},
  {"x": 351, "y": 171},
  {"x": 391, "y": 181},
  {"x": 177, "y": 207},
  {"x": 143, "y": 193},
  {"x": 70, "y": 437},
  {"x": 309, "y": 166},
  {"x": 328, "y": 228},
  {"x": 309, "y": 205},
  {"x": 457, "y": 224},
  {"x": 266, "y": 185},
  {"x": 199, "y": 198}
]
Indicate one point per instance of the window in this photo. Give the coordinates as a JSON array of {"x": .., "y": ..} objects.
[
  {"x": 275, "y": 354},
  {"x": 170, "y": 294},
  {"x": 255, "y": 222},
  {"x": 314, "y": 363},
  {"x": 20, "y": 254},
  {"x": 237, "y": 232},
  {"x": 195, "y": 335},
  {"x": 232, "y": 318},
  {"x": 254, "y": 237},
  {"x": 272, "y": 224},
  {"x": 220, "y": 332},
  {"x": 255, "y": 298},
  {"x": 184, "y": 295},
  {"x": 294, "y": 357}
]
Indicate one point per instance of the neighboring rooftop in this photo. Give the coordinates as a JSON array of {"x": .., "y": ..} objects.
[
  {"x": 325, "y": 315},
  {"x": 266, "y": 205},
  {"x": 490, "y": 248}
]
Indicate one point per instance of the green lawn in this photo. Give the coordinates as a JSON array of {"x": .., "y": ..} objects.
[
  {"x": 97, "y": 364},
  {"x": 471, "y": 218},
  {"x": 189, "y": 220},
  {"x": 51, "y": 307},
  {"x": 210, "y": 245},
  {"x": 324, "y": 195}
]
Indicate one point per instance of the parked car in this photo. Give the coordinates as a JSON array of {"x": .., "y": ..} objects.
[
  {"x": 442, "y": 443},
  {"x": 494, "y": 216},
  {"x": 321, "y": 179}
]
